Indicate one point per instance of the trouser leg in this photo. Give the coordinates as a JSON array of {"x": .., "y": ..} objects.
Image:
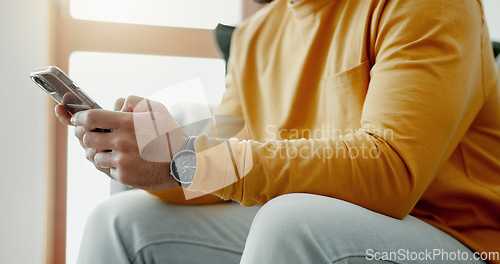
[
  {"x": 135, "y": 227},
  {"x": 305, "y": 228}
]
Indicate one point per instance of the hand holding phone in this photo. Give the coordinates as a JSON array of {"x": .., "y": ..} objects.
[{"x": 62, "y": 89}]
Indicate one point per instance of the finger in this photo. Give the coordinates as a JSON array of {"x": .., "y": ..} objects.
[
  {"x": 105, "y": 160},
  {"x": 63, "y": 115},
  {"x": 80, "y": 131},
  {"x": 112, "y": 141},
  {"x": 90, "y": 154},
  {"x": 139, "y": 104},
  {"x": 119, "y": 103},
  {"x": 134, "y": 104},
  {"x": 98, "y": 118}
]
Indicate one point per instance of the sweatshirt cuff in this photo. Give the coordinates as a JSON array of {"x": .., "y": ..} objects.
[{"x": 220, "y": 163}]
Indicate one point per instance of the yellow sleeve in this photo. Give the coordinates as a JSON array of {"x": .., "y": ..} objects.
[{"x": 425, "y": 86}]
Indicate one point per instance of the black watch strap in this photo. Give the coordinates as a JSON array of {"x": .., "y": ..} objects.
[{"x": 190, "y": 143}]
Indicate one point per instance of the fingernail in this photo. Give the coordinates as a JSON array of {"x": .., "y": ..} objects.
[{"x": 73, "y": 118}]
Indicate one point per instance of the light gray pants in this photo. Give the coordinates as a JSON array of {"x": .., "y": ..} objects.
[{"x": 134, "y": 227}]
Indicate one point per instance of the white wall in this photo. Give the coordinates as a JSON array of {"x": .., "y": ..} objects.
[
  {"x": 492, "y": 12},
  {"x": 23, "y": 46}
]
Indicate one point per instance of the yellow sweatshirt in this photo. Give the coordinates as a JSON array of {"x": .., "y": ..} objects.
[{"x": 390, "y": 105}]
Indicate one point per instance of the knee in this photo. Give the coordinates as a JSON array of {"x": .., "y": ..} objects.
[
  {"x": 305, "y": 228},
  {"x": 280, "y": 212},
  {"x": 121, "y": 228},
  {"x": 300, "y": 216},
  {"x": 121, "y": 207},
  {"x": 122, "y": 213},
  {"x": 281, "y": 219}
]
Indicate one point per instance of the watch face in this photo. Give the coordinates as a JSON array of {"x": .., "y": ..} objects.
[{"x": 183, "y": 166}]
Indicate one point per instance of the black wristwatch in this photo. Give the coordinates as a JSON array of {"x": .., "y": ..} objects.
[{"x": 183, "y": 165}]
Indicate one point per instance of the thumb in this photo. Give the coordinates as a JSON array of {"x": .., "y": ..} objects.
[
  {"x": 134, "y": 104},
  {"x": 119, "y": 104}
]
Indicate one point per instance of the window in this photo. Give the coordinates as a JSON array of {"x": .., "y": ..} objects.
[
  {"x": 172, "y": 13},
  {"x": 107, "y": 76}
]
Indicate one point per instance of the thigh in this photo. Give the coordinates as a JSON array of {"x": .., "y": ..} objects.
[
  {"x": 135, "y": 227},
  {"x": 305, "y": 228}
]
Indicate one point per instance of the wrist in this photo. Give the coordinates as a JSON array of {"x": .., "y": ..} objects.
[{"x": 176, "y": 141}]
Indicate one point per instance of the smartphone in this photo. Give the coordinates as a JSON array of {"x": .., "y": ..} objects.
[{"x": 62, "y": 89}]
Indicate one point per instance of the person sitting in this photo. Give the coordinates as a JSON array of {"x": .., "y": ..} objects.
[{"x": 373, "y": 134}]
